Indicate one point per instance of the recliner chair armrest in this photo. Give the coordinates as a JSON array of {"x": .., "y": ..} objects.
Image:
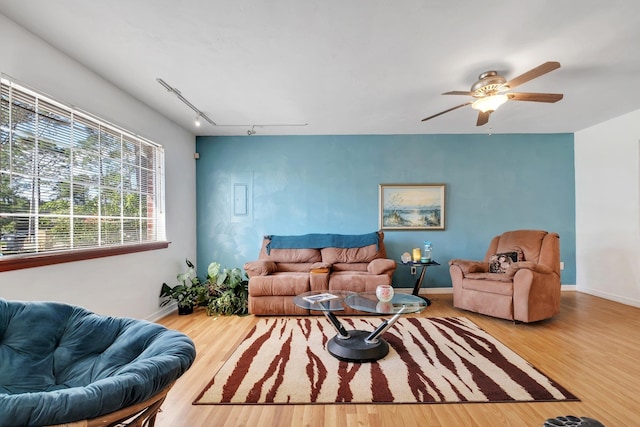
[
  {"x": 260, "y": 268},
  {"x": 536, "y": 268},
  {"x": 381, "y": 266},
  {"x": 468, "y": 266}
]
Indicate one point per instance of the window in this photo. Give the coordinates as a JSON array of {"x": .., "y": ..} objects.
[{"x": 71, "y": 182}]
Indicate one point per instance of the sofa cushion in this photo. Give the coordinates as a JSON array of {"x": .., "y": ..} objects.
[
  {"x": 356, "y": 281},
  {"x": 354, "y": 266},
  {"x": 283, "y": 284},
  {"x": 275, "y": 305},
  {"x": 493, "y": 285},
  {"x": 495, "y": 277},
  {"x": 289, "y": 255},
  {"x": 500, "y": 263},
  {"x": 350, "y": 255}
]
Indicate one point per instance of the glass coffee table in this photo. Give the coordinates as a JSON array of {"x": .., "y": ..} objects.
[{"x": 356, "y": 345}]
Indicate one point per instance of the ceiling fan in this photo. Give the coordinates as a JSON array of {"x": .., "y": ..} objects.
[{"x": 491, "y": 91}]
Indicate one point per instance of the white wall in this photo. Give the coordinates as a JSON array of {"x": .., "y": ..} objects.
[
  {"x": 125, "y": 285},
  {"x": 607, "y": 167}
]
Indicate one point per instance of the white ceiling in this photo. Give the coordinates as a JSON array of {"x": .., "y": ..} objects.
[{"x": 352, "y": 66}]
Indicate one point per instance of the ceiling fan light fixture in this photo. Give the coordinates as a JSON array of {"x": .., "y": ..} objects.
[
  {"x": 489, "y": 103},
  {"x": 489, "y": 92}
]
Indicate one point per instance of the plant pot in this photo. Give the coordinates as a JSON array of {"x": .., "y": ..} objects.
[{"x": 185, "y": 310}]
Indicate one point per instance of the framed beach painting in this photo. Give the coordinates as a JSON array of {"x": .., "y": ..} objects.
[{"x": 411, "y": 206}]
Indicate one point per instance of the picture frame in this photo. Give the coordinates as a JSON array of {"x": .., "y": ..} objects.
[{"x": 411, "y": 206}]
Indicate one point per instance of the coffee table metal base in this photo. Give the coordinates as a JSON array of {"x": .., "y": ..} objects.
[{"x": 356, "y": 348}]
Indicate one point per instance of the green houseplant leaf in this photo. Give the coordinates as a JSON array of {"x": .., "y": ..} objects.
[
  {"x": 188, "y": 293},
  {"x": 228, "y": 293},
  {"x": 223, "y": 292}
]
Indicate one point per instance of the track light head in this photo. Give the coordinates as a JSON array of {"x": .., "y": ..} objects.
[{"x": 197, "y": 121}]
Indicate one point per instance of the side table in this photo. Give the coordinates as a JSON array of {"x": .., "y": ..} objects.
[{"x": 418, "y": 285}]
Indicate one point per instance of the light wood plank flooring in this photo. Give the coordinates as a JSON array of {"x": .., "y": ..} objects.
[{"x": 591, "y": 348}]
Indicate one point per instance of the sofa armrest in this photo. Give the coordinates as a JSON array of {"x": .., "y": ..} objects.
[
  {"x": 468, "y": 266},
  {"x": 528, "y": 265},
  {"x": 260, "y": 268},
  {"x": 381, "y": 266},
  {"x": 320, "y": 267}
]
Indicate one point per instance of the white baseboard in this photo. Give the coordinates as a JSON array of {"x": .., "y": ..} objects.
[
  {"x": 163, "y": 311},
  {"x": 617, "y": 298}
]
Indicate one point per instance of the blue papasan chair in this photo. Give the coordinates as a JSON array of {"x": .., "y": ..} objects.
[{"x": 61, "y": 364}]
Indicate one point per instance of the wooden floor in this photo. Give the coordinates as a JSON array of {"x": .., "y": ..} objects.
[{"x": 591, "y": 348}]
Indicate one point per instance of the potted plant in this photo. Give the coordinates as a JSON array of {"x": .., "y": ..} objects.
[
  {"x": 227, "y": 291},
  {"x": 188, "y": 293}
]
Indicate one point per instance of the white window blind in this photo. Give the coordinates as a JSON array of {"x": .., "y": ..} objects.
[{"x": 70, "y": 181}]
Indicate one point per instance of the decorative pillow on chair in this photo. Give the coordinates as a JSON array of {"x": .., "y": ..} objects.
[
  {"x": 519, "y": 252},
  {"x": 499, "y": 263}
]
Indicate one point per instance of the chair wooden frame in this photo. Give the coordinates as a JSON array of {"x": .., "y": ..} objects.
[{"x": 141, "y": 414}]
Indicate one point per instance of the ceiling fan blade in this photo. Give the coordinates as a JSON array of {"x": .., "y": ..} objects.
[
  {"x": 483, "y": 118},
  {"x": 446, "y": 111},
  {"x": 532, "y": 74},
  {"x": 459, "y": 92},
  {"x": 536, "y": 97}
]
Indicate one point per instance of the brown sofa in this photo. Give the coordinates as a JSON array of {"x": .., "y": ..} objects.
[
  {"x": 526, "y": 284},
  {"x": 280, "y": 274}
]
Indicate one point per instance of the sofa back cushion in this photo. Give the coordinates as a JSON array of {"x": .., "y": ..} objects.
[
  {"x": 289, "y": 255},
  {"x": 529, "y": 242},
  {"x": 351, "y": 266},
  {"x": 537, "y": 246},
  {"x": 349, "y": 255},
  {"x": 364, "y": 254}
]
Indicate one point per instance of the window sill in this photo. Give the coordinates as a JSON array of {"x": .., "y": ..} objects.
[{"x": 17, "y": 262}]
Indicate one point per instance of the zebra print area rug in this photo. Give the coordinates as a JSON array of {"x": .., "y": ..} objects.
[{"x": 431, "y": 360}]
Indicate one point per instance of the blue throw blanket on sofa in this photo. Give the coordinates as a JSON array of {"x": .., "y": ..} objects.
[{"x": 319, "y": 241}]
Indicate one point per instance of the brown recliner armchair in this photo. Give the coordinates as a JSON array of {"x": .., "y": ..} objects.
[{"x": 519, "y": 278}]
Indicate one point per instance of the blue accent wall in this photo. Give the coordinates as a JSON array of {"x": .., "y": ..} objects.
[{"x": 329, "y": 184}]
